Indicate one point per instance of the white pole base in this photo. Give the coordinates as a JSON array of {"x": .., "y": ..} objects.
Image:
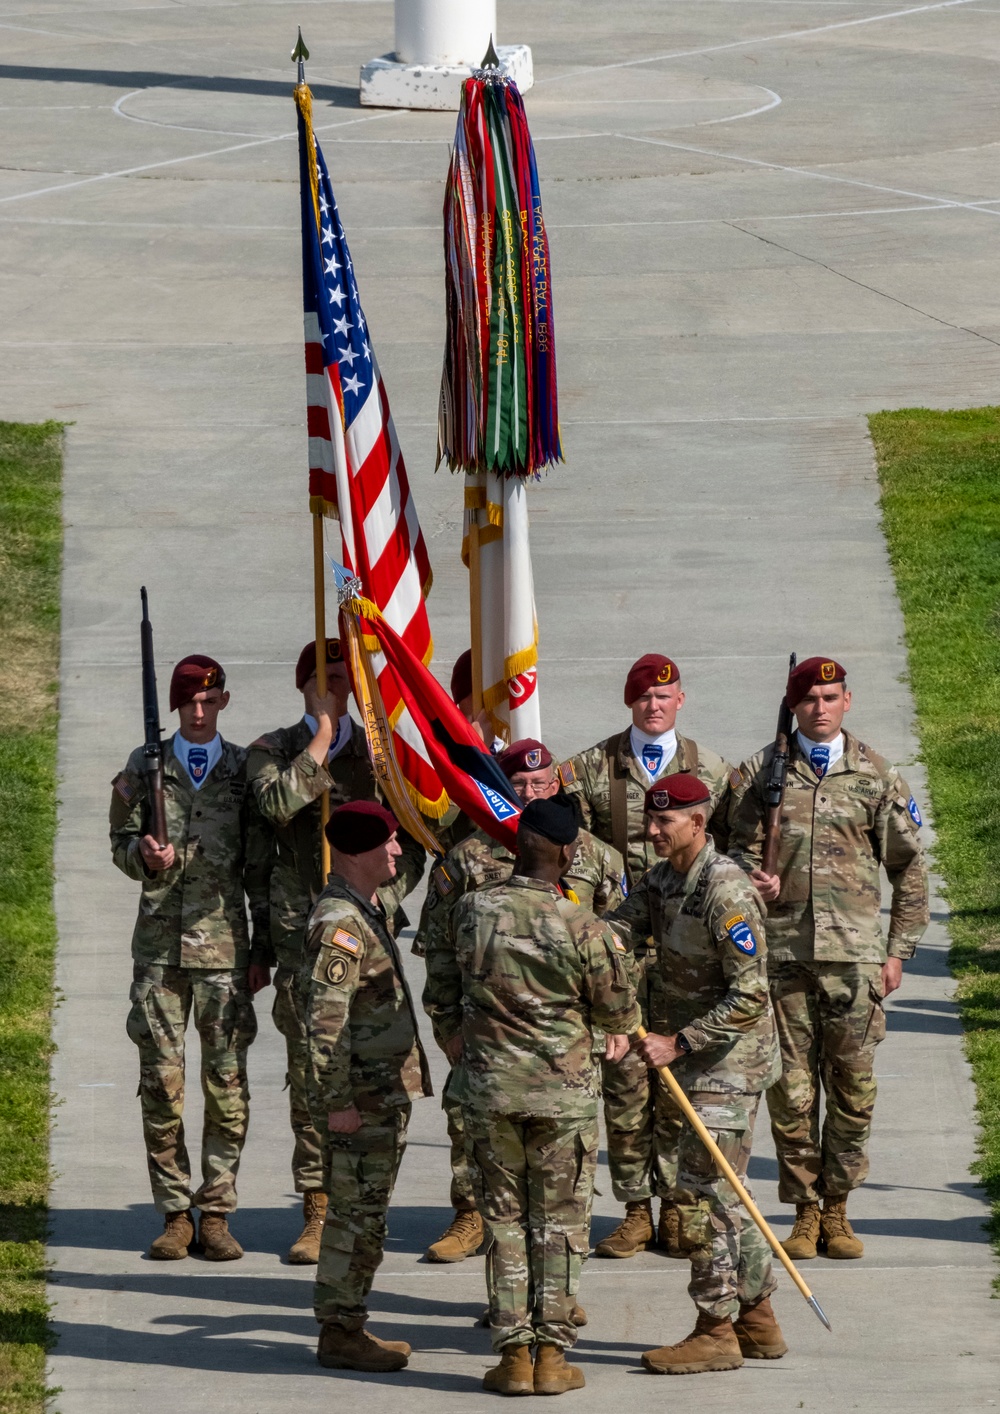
[{"x": 388, "y": 83}]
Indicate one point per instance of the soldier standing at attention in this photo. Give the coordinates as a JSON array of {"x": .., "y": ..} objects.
[
  {"x": 610, "y": 781},
  {"x": 366, "y": 1068},
  {"x": 846, "y": 812},
  {"x": 538, "y": 973},
  {"x": 705, "y": 918},
  {"x": 288, "y": 771},
  {"x": 191, "y": 950}
]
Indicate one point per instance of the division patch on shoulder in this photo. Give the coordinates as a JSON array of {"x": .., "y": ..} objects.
[
  {"x": 347, "y": 941},
  {"x": 443, "y": 881},
  {"x": 566, "y": 774},
  {"x": 915, "y": 814},
  {"x": 741, "y": 934},
  {"x": 336, "y": 970}
]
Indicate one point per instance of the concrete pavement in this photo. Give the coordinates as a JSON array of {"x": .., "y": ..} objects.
[{"x": 767, "y": 218}]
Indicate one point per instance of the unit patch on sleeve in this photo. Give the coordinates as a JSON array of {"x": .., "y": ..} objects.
[
  {"x": 915, "y": 815},
  {"x": 443, "y": 881},
  {"x": 342, "y": 939},
  {"x": 741, "y": 934},
  {"x": 336, "y": 970}
]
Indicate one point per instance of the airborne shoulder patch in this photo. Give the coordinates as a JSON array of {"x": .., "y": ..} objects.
[
  {"x": 347, "y": 941},
  {"x": 443, "y": 881},
  {"x": 741, "y": 934},
  {"x": 566, "y": 774}
]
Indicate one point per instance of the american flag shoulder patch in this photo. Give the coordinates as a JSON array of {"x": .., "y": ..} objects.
[
  {"x": 443, "y": 881},
  {"x": 347, "y": 941},
  {"x": 736, "y": 778},
  {"x": 566, "y": 774},
  {"x": 619, "y": 945},
  {"x": 124, "y": 788}
]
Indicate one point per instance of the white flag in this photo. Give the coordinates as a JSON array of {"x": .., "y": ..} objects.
[{"x": 508, "y": 624}]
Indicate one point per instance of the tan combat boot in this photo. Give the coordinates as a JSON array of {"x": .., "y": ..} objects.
[
  {"x": 801, "y": 1241},
  {"x": 514, "y": 1374},
  {"x": 836, "y": 1236},
  {"x": 340, "y": 1349},
  {"x": 217, "y": 1243},
  {"x": 304, "y": 1251},
  {"x": 632, "y": 1235},
  {"x": 552, "y": 1374},
  {"x": 175, "y": 1239},
  {"x": 668, "y": 1230},
  {"x": 462, "y": 1238},
  {"x": 712, "y": 1345},
  {"x": 758, "y": 1332}
]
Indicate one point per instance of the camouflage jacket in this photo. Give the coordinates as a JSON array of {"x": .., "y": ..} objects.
[
  {"x": 537, "y": 974},
  {"x": 588, "y": 778},
  {"x": 712, "y": 962},
  {"x": 479, "y": 862},
  {"x": 835, "y": 833},
  {"x": 287, "y": 785},
  {"x": 363, "y": 1043},
  {"x": 194, "y": 914}
]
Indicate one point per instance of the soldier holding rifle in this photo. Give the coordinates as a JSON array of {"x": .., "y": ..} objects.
[
  {"x": 814, "y": 850},
  {"x": 705, "y": 916},
  {"x": 182, "y": 825}
]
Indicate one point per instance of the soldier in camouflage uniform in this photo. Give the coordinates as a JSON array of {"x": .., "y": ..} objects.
[
  {"x": 366, "y": 1068},
  {"x": 846, "y": 812},
  {"x": 538, "y": 972},
  {"x": 479, "y": 862},
  {"x": 706, "y": 920},
  {"x": 289, "y": 770},
  {"x": 610, "y": 781},
  {"x": 191, "y": 951}
]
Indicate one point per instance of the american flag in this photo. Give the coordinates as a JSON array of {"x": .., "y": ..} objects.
[{"x": 356, "y": 470}]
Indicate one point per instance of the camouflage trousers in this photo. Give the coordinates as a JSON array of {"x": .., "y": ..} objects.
[
  {"x": 534, "y": 1182},
  {"x": 730, "y": 1260},
  {"x": 289, "y": 1016},
  {"x": 463, "y": 1195},
  {"x": 359, "y": 1173},
  {"x": 829, "y": 1019},
  {"x": 629, "y": 1091},
  {"x": 163, "y": 999}
]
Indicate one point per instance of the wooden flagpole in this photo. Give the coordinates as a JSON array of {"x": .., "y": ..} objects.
[
  {"x": 319, "y": 596},
  {"x": 475, "y": 613}
]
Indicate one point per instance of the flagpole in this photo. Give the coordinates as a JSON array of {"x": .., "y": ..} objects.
[
  {"x": 299, "y": 55},
  {"x": 475, "y": 613}
]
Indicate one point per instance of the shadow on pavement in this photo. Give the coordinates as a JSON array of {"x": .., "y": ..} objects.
[{"x": 339, "y": 94}]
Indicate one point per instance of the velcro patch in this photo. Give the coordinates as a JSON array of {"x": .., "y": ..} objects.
[
  {"x": 741, "y": 934},
  {"x": 566, "y": 774},
  {"x": 915, "y": 814},
  {"x": 443, "y": 881},
  {"x": 619, "y": 945},
  {"x": 736, "y": 778},
  {"x": 342, "y": 939},
  {"x": 124, "y": 787},
  {"x": 336, "y": 970}
]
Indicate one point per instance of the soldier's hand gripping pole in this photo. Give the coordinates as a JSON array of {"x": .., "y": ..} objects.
[
  {"x": 153, "y": 748},
  {"x": 774, "y": 792},
  {"x": 727, "y": 1171}
]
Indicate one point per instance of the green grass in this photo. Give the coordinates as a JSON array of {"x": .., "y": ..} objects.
[
  {"x": 940, "y": 476},
  {"x": 30, "y": 557}
]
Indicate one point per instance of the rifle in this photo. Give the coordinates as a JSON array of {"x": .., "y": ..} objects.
[
  {"x": 153, "y": 748},
  {"x": 774, "y": 791}
]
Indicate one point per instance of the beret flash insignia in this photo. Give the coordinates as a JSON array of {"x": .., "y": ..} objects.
[
  {"x": 660, "y": 799},
  {"x": 533, "y": 759},
  {"x": 828, "y": 671},
  {"x": 665, "y": 673}
]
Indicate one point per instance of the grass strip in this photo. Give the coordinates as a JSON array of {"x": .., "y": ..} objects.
[
  {"x": 940, "y": 478},
  {"x": 30, "y": 560}
]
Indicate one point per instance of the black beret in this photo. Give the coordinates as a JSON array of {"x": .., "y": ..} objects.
[{"x": 554, "y": 819}]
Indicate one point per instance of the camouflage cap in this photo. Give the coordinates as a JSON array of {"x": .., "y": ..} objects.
[
  {"x": 651, "y": 670},
  {"x": 813, "y": 672},
  {"x": 192, "y": 675}
]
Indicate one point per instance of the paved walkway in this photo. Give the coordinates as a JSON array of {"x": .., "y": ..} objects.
[{"x": 767, "y": 219}]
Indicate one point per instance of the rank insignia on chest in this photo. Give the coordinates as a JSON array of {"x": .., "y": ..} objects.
[
  {"x": 741, "y": 934},
  {"x": 443, "y": 881},
  {"x": 915, "y": 814},
  {"x": 336, "y": 970},
  {"x": 566, "y": 774},
  {"x": 345, "y": 940},
  {"x": 124, "y": 788}
]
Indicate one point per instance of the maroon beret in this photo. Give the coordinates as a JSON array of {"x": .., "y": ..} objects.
[
  {"x": 524, "y": 755},
  {"x": 461, "y": 677},
  {"x": 652, "y": 670},
  {"x": 359, "y": 826},
  {"x": 195, "y": 673},
  {"x": 306, "y": 665},
  {"x": 677, "y": 792},
  {"x": 813, "y": 672}
]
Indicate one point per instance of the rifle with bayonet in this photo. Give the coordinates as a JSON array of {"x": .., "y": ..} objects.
[
  {"x": 774, "y": 791},
  {"x": 153, "y": 748}
]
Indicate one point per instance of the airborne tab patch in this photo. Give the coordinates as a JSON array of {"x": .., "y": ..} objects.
[
  {"x": 566, "y": 774},
  {"x": 741, "y": 934},
  {"x": 342, "y": 939}
]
